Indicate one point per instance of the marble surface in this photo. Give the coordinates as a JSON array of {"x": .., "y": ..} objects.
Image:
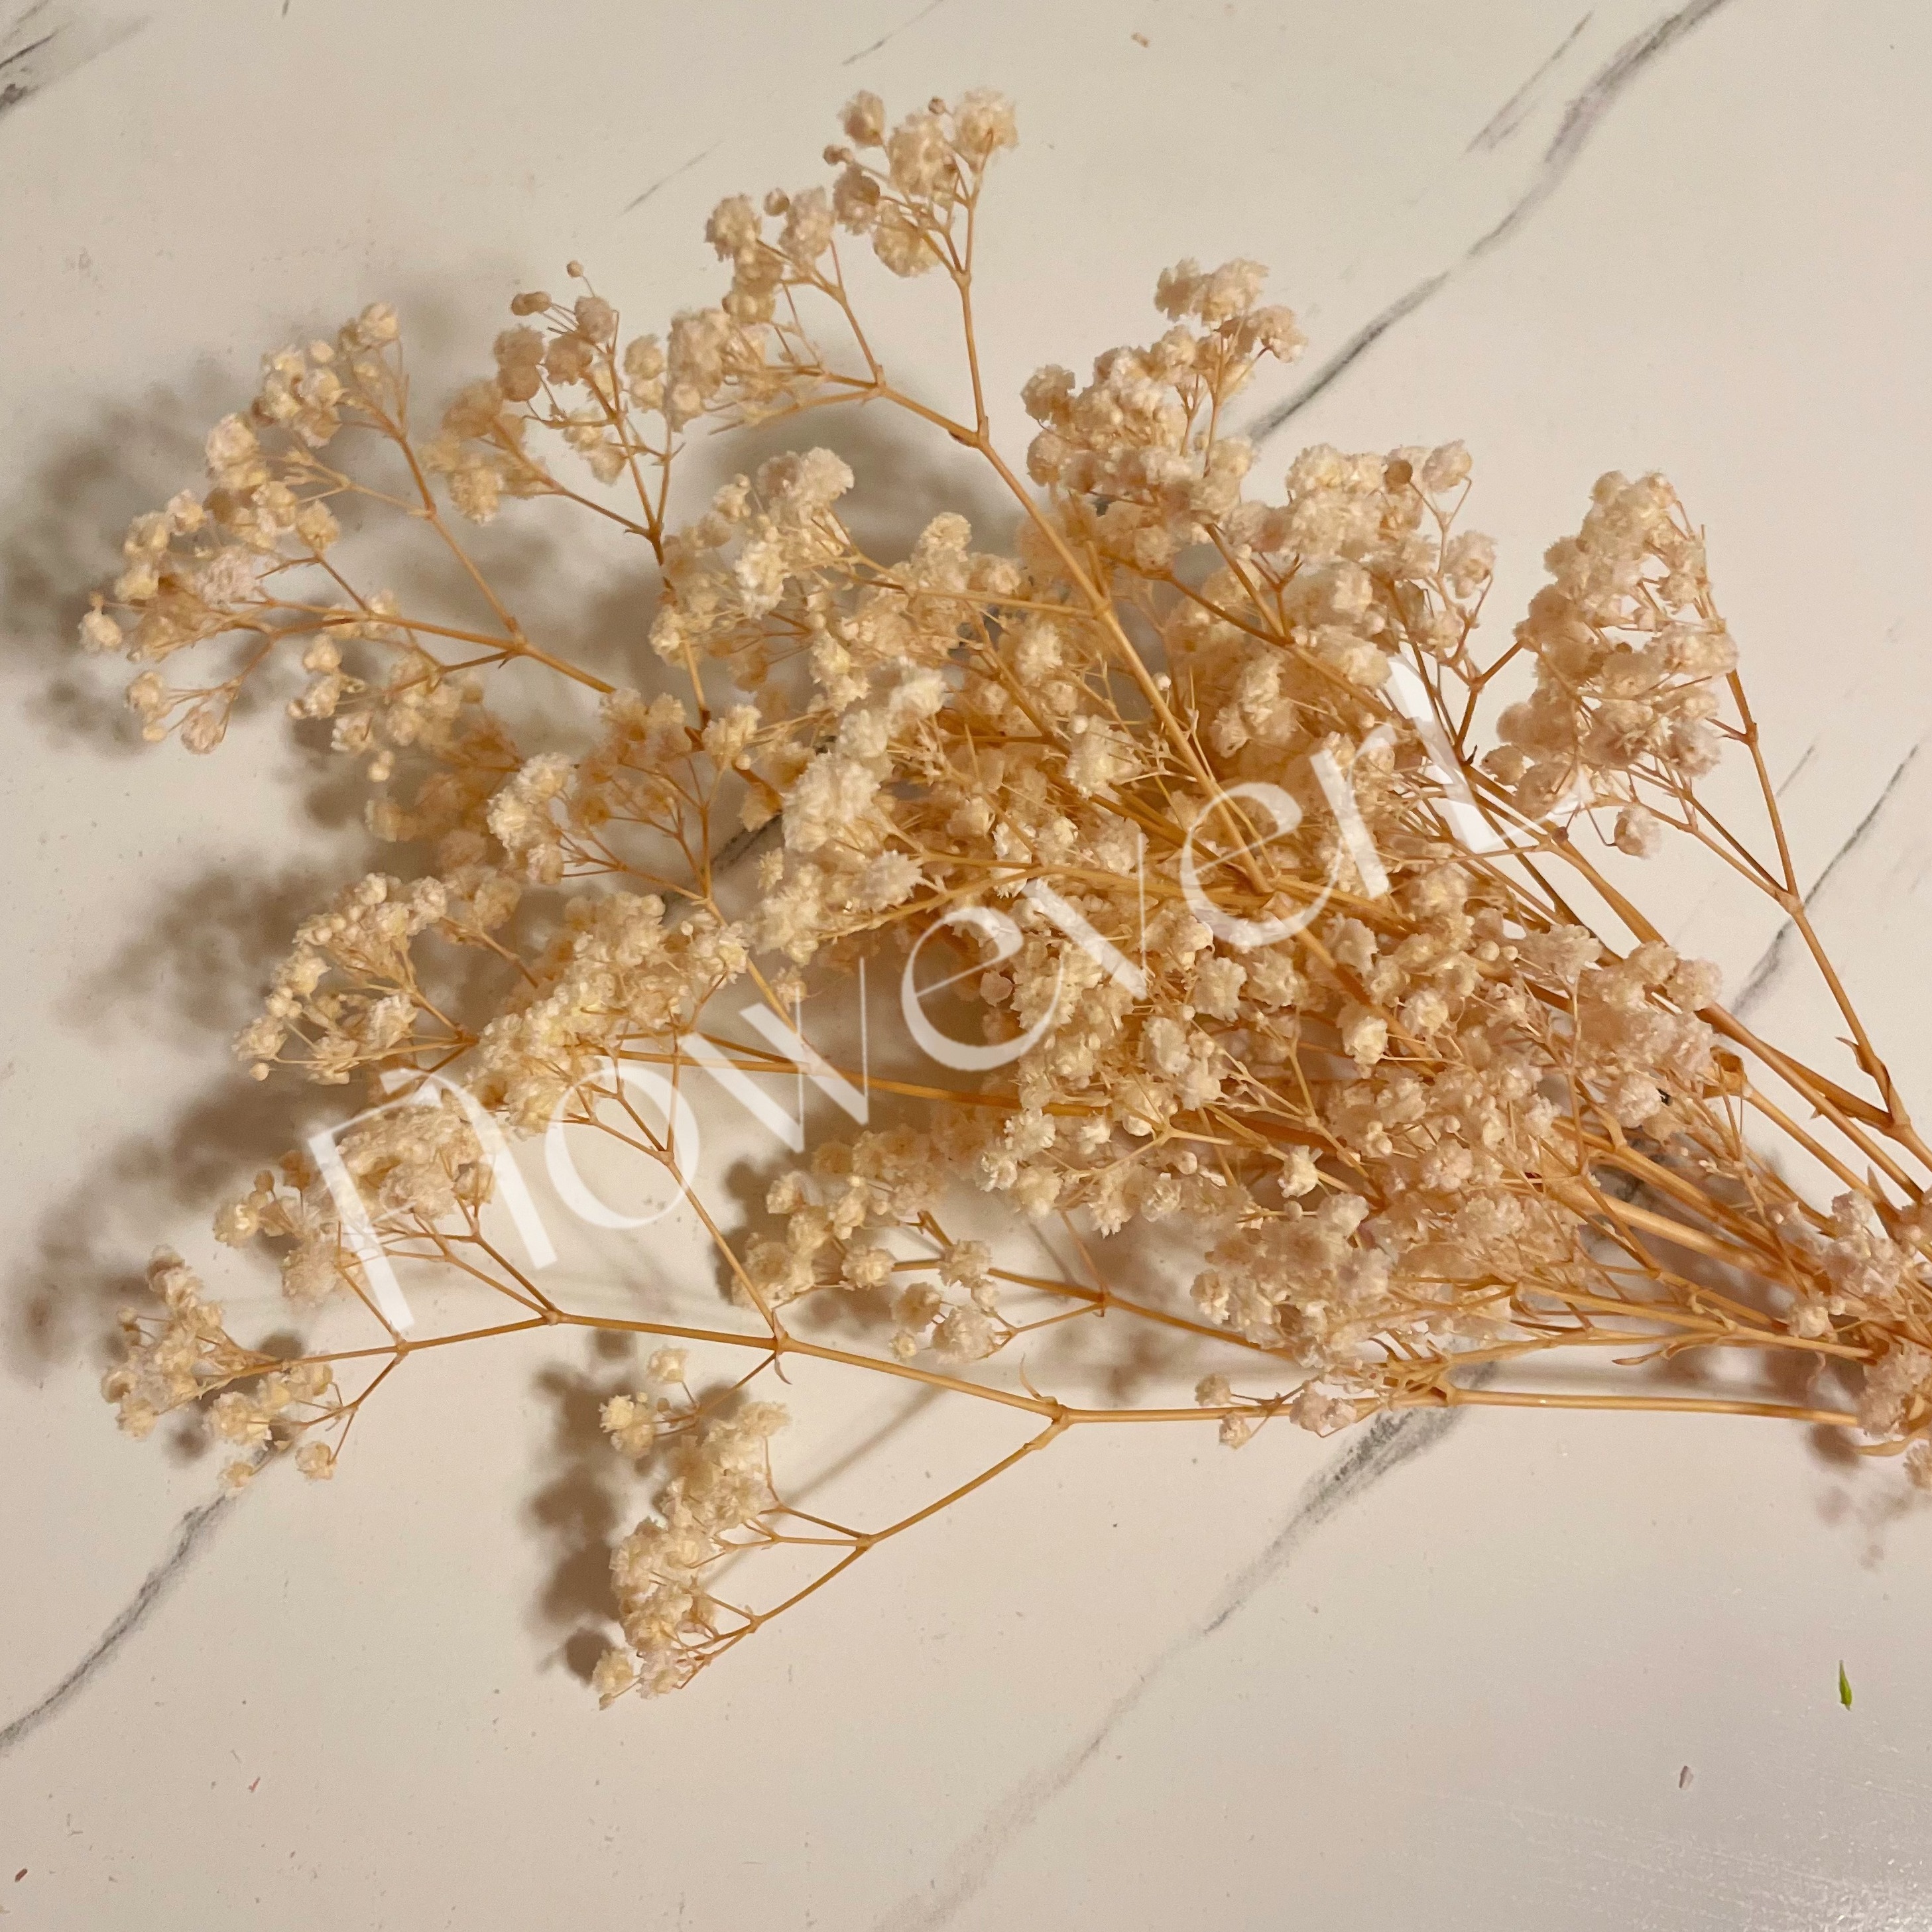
[{"x": 1449, "y": 1676}]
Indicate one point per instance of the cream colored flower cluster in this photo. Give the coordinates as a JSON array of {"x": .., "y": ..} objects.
[
  {"x": 185, "y": 1359},
  {"x": 1222, "y": 933},
  {"x": 712, "y": 1507},
  {"x": 1630, "y": 657}
]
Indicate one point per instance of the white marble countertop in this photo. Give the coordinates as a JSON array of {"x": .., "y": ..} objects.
[{"x": 1450, "y": 1676}]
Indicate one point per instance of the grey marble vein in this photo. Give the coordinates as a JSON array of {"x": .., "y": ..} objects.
[
  {"x": 1382, "y": 1446},
  {"x": 1791, "y": 777},
  {"x": 45, "y": 43},
  {"x": 1581, "y": 118},
  {"x": 191, "y": 1533},
  {"x": 664, "y": 181},
  {"x": 1777, "y": 956},
  {"x": 1345, "y": 359},
  {"x": 14, "y": 91},
  {"x": 1505, "y": 122},
  {"x": 892, "y": 33}
]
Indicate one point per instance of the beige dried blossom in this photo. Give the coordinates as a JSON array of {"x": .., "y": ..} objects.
[{"x": 1265, "y": 958}]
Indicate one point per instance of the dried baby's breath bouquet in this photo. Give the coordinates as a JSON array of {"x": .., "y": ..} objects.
[{"x": 1327, "y": 1046}]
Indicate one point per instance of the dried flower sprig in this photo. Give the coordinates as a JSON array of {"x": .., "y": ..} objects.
[{"x": 1269, "y": 960}]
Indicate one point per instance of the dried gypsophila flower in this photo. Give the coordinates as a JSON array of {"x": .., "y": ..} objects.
[{"x": 1247, "y": 983}]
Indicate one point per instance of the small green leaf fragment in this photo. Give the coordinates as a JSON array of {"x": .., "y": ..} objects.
[{"x": 1844, "y": 1686}]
